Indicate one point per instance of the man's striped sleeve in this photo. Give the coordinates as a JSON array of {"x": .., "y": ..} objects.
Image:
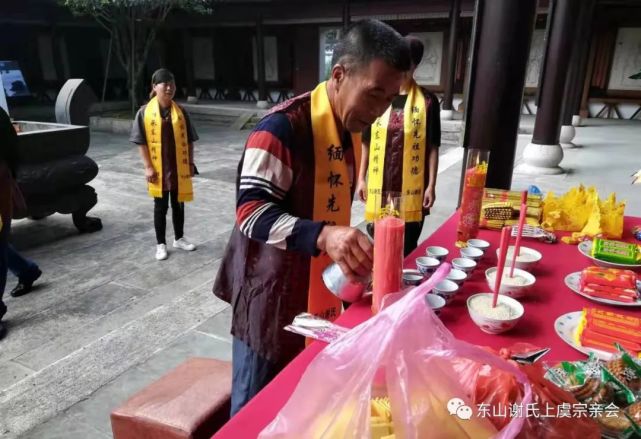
[{"x": 266, "y": 178}]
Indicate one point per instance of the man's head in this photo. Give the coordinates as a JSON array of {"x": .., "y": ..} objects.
[
  {"x": 163, "y": 85},
  {"x": 416, "y": 52},
  {"x": 368, "y": 66}
]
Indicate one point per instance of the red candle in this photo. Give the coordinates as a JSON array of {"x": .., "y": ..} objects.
[
  {"x": 472, "y": 197},
  {"x": 388, "y": 258},
  {"x": 505, "y": 242},
  {"x": 517, "y": 246}
]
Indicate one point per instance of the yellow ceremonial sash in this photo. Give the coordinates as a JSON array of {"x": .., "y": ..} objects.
[
  {"x": 332, "y": 194},
  {"x": 153, "y": 126},
  {"x": 414, "y": 147}
]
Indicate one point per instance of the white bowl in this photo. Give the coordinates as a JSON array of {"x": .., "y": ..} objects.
[
  {"x": 457, "y": 276},
  {"x": 427, "y": 265},
  {"x": 493, "y": 325},
  {"x": 435, "y": 302},
  {"x": 533, "y": 258},
  {"x": 412, "y": 277},
  {"x": 446, "y": 289},
  {"x": 472, "y": 253},
  {"x": 515, "y": 291},
  {"x": 439, "y": 253},
  {"x": 464, "y": 264},
  {"x": 478, "y": 243}
]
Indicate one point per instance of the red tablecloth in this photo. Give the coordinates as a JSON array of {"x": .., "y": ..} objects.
[{"x": 549, "y": 299}]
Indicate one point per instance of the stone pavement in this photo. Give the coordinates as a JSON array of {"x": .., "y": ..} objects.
[{"x": 107, "y": 318}]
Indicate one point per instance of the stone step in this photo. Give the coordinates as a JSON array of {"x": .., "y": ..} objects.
[
  {"x": 451, "y": 125},
  {"x": 215, "y": 120},
  {"x": 57, "y": 387}
]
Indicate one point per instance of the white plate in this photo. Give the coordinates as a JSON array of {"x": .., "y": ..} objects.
[
  {"x": 565, "y": 327},
  {"x": 585, "y": 247},
  {"x": 573, "y": 282}
]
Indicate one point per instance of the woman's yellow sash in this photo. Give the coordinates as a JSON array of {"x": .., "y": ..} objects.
[
  {"x": 414, "y": 151},
  {"x": 332, "y": 194},
  {"x": 153, "y": 126}
]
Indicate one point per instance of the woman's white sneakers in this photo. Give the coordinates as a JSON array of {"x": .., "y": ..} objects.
[
  {"x": 161, "y": 252},
  {"x": 184, "y": 244}
]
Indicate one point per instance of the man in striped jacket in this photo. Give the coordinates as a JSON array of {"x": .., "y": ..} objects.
[{"x": 295, "y": 185}]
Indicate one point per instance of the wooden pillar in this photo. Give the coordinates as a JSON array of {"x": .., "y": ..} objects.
[
  {"x": 576, "y": 75},
  {"x": 448, "y": 96},
  {"x": 578, "y": 64},
  {"x": 56, "y": 38},
  {"x": 544, "y": 154},
  {"x": 584, "y": 111},
  {"x": 346, "y": 15},
  {"x": 260, "y": 60},
  {"x": 188, "y": 51},
  {"x": 496, "y": 81}
]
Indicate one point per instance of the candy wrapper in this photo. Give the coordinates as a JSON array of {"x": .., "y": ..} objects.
[{"x": 313, "y": 327}]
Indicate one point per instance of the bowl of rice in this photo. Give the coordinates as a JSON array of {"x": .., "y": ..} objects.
[
  {"x": 527, "y": 259},
  {"x": 496, "y": 320},
  {"x": 516, "y": 286}
]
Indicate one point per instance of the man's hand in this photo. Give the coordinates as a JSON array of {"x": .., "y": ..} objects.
[
  {"x": 151, "y": 175},
  {"x": 349, "y": 248},
  {"x": 429, "y": 197},
  {"x": 361, "y": 189}
]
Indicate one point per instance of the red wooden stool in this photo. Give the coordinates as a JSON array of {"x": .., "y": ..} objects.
[{"x": 190, "y": 402}]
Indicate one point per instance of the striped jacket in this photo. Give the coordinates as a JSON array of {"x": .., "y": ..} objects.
[{"x": 264, "y": 273}]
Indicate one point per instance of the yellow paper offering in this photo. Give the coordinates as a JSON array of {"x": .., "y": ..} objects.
[{"x": 582, "y": 212}]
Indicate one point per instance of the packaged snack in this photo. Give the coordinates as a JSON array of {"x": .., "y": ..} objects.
[
  {"x": 502, "y": 208},
  {"x": 616, "y": 251},
  {"x": 381, "y": 426},
  {"x": 597, "y": 340},
  {"x": 497, "y": 211},
  {"x": 623, "y": 396},
  {"x": 605, "y": 389},
  {"x": 610, "y": 277},
  {"x": 617, "y": 294},
  {"x": 600, "y": 329},
  {"x": 626, "y": 370}
]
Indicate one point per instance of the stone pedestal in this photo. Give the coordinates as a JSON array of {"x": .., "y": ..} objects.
[
  {"x": 544, "y": 154},
  {"x": 541, "y": 160},
  {"x": 447, "y": 114},
  {"x": 577, "y": 121},
  {"x": 568, "y": 132}
]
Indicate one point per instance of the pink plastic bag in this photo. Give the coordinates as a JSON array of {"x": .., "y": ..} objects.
[{"x": 406, "y": 353}]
